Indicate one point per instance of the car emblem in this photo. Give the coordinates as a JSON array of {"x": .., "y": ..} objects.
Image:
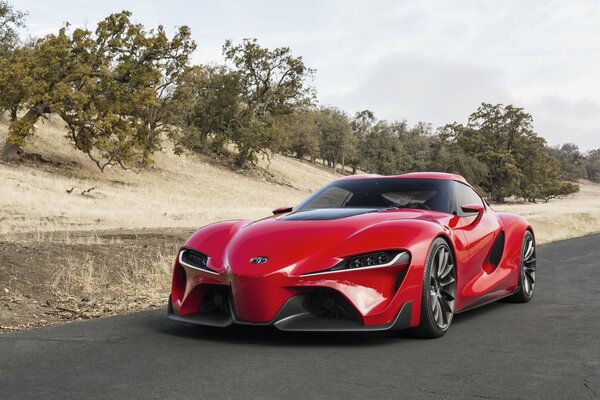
[{"x": 259, "y": 260}]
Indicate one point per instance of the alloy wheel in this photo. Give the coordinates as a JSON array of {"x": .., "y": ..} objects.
[
  {"x": 442, "y": 289},
  {"x": 528, "y": 269}
]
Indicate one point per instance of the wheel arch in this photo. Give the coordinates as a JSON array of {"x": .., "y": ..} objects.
[
  {"x": 530, "y": 229},
  {"x": 452, "y": 246},
  {"x": 424, "y": 327},
  {"x": 514, "y": 227}
]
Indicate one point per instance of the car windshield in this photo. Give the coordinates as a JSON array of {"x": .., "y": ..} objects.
[{"x": 424, "y": 194}]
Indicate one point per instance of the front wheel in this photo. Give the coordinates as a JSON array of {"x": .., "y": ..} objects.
[
  {"x": 526, "y": 287},
  {"x": 439, "y": 290}
]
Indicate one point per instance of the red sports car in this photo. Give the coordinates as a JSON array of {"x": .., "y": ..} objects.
[{"x": 364, "y": 253}]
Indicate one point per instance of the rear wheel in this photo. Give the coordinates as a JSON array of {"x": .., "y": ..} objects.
[
  {"x": 526, "y": 287},
  {"x": 439, "y": 291}
]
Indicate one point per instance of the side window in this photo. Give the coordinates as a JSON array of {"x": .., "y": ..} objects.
[{"x": 465, "y": 195}]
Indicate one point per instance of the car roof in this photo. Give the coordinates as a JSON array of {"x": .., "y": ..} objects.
[{"x": 412, "y": 175}]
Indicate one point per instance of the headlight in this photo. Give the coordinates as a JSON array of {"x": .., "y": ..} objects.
[
  {"x": 195, "y": 260},
  {"x": 370, "y": 260}
]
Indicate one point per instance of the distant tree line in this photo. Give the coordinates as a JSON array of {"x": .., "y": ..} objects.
[
  {"x": 578, "y": 164},
  {"x": 121, "y": 88},
  {"x": 497, "y": 150}
]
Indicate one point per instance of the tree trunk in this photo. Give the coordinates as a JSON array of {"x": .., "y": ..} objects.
[
  {"x": 35, "y": 112},
  {"x": 242, "y": 158},
  {"x": 312, "y": 159},
  {"x": 11, "y": 152},
  {"x": 354, "y": 170},
  {"x": 343, "y": 165},
  {"x": 204, "y": 142}
]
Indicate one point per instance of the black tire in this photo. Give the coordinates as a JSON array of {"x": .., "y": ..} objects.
[
  {"x": 429, "y": 326},
  {"x": 526, "y": 267}
]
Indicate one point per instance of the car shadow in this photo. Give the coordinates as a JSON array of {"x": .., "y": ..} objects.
[
  {"x": 475, "y": 313},
  {"x": 271, "y": 336}
]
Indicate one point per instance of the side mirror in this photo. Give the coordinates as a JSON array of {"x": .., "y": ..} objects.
[
  {"x": 473, "y": 209},
  {"x": 282, "y": 210}
]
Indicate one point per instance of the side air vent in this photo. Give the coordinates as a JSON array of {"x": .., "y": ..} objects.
[
  {"x": 497, "y": 250},
  {"x": 400, "y": 278}
]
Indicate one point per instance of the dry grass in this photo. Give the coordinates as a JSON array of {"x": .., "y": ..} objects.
[
  {"x": 90, "y": 288},
  {"x": 575, "y": 216},
  {"x": 178, "y": 191},
  {"x": 191, "y": 191},
  {"x": 84, "y": 275}
]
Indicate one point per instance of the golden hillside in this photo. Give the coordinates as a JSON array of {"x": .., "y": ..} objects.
[
  {"x": 192, "y": 190},
  {"x": 177, "y": 191}
]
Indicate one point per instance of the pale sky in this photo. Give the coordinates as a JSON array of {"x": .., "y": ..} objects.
[{"x": 433, "y": 61}]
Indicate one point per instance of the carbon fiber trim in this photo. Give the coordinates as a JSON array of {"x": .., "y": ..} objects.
[{"x": 294, "y": 316}]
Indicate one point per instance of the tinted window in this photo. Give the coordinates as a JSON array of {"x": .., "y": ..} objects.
[
  {"x": 333, "y": 196},
  {"x": 426, "y": 194},
  {"x": 465, "y": 195}
]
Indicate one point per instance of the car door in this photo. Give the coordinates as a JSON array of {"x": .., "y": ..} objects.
[{"x": 478, "y": 278}]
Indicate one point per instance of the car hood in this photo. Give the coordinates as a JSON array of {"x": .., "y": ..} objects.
[{"x": 306, "y": 241}]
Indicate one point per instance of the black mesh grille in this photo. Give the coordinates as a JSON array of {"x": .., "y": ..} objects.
[
  {"x": 216, "y": 300},
  {"x": 328, "y": 303}
]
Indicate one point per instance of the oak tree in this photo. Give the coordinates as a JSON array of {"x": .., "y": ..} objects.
[
  {"x": 110, "y": 86},
  {"x": 517, "y": 160},
  {"x": 206, "y": 102},
  {"x": 273, "y": 83}
]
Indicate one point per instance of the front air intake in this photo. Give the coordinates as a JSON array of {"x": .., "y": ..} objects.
[
  {"x": 216, "y": 300},
  {"x": 328, "y": 303}
]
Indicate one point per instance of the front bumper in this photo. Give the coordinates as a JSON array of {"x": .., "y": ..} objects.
[
  {"x": 361, "y": 299},
  {"x": 295, "y": 316}
]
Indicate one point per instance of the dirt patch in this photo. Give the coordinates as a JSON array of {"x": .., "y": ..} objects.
[{"x": 82, "y": 275}]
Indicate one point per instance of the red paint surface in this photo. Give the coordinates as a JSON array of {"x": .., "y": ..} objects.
[{"x": 299, "y": 247}]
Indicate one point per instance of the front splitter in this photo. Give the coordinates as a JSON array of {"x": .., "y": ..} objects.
[{"x": 294, "y": 316}]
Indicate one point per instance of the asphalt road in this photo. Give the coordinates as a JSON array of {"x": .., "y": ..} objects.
[{"x": 549, "y": 348}]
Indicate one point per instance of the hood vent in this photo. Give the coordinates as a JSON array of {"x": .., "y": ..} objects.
[{"x": 326, "y": 214}]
